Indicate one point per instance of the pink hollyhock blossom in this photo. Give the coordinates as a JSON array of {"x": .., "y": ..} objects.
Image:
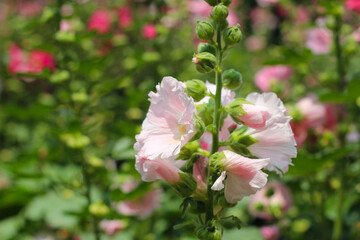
[
  {"x": 111, "y": 227},
  {"x": 66, "y": 26},
  {"x": 276, "y": 140},
  {"x": 269, "y": 75},
  {"x": 232, "y": 18},
  {"x": 29, "y": 8},
  {"x": 100, "y": 21},
  {"x": 149, "y": 31},
  {"x": 313, "y": 111},
  {"x": 199, "y": 174},
  {"x": 142, "y": 206},
  {"x": 273, "y": 201},
  {"x": 255, "y": 117},
  {"x": 300, "y": 130},
  {"x": 199, "y": 7},
  {"x": 244, "y": 176},
  {"x": 157, "y": 168},
  {"x": 227, "y": 96},
  {"x": 169, "y": 123},
  {"x": 318, "y": 40},
  {"x": 125, "y": 18},
  {"x": 270, "y": 232},
  {"x": 267, "y": 3},
  {"x": 303, "y": 15},
  {"x": 35, "y": 62},
  {"x": 255, "y": 43},
  {"x": 353, "y": 5}
]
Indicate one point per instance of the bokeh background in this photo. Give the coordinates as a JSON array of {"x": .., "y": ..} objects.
[{"x": 74, "y": 79}]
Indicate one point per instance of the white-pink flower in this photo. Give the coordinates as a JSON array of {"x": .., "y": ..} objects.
[
  {"x": 244, "y": 176},
  {"x": 255, "y": 117},
  {"x": 169, "y": 123},
  {"x": 314, "y": 112},
  {"x": 111, "y": 227},
  {"x": 142, "y": 206},
  {"x": 276, "y": 140},
  {"x": 269, "y": 75},
  {"x": 318, "y": 40},
  {"x": 227, "y": 96}
]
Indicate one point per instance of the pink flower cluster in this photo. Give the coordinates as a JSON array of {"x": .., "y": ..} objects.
[
  {"x": 318, "y": 40},
  {"x": 170, "y": 124},
  {"x": 353, "y": 5},
  {"x": 270, "y": 75},
  {"x": 35, "y": 62}
]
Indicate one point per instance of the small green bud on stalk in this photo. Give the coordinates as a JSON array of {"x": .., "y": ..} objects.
[
  {"x": 188, "y": 150},
  {"x": 204, "y": 30},
  {"x": 226, "y": 2},
  {"x": 232, "y": 79},
  {"x": 206, "y": 47},
  {"x": 221, "y": 25},
  {"x": 196, "y": 89},
  {"x": 232, "y": 35},
  {"x": 186, "y": 186},
  {"x": 220, "y": 12},
  {"x": 212, "y": 2},
  {"x": 200, "y": 128},
  {"x": 205, "y": 62}
]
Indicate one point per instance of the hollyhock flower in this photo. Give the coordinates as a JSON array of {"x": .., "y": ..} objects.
[
  {"x": 39, "y": 60},
  {"x": 125, "y": 18},
  {"x": 17, "y": 60},
  {"x": 142, "y": 206},
  {"x": 270, "y": 232},
  {"x": 255, "y": 43},
  {"x": 169, "y": 123},
  {"x": 318, "y": 40},
  {"x": 269, "y": 75},
  {"x": 66, "y": 26},
  {"x": 276, "y": 140},
  {"x": 199, "y": 7},
  {"x": 303, "y": 15},
  {"x": 353, "y": 5},
  {"x": 29, "y": 8},
  {"x": 227, "y": 96},
  {"x": 262, "y": 19},
  {"x": 111, "y": 227},
  {"x": 149, "y": 31},
  {"x": 199, "y": 174},
  {"x": 267, "y": 3},
  {"x": 356, "y": 35},
  {"x": 274, "y": 200},
  {"x": 313, "y": 111},
  {"x": 255, "y": 117},
  {"x": 100, "y": 21},
  {"x": 244, "y": 176},
  {"x": 157, "y": 168},
  {"x": 300, "y": 130},
  {"x": 232, "y": 18}
]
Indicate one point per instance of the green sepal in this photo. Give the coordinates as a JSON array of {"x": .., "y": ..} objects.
[
  {"x": 186, "y": 186},
  {"x": 200, "y": 128},
  {"x": 188, "y": 150},
  {"x": 206, "y": 47}
]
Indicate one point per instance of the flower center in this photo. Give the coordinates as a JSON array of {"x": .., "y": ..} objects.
[{"x": 182, "y": 129}]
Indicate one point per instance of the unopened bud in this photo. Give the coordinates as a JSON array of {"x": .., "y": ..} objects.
[
  {"x": 236, "y": 110},
  {"x": 221, "y": 25},
  {"x": 204, "y": 30},
  {"x": 200, "y": 128},
  {"x": 212, "y": 2},
  {"x": 226, "y": 2},
  {"x": 220, "y": 12},
  {"x": 205, "y": 62},
  {"x": 196, "y": 89},
  {"x": 188, "y": 150},
  {"x": 99, "y": 209},
  {"x": 206, "y": 47},
  {"x": 186, "y": 186},
  {"x": 232, "y": 35},
  {"x": 215, "y": 161},
  {"x": 232, "y": 79}
]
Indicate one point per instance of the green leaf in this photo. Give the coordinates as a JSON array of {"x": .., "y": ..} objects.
[{"x": 10, "y": 227}]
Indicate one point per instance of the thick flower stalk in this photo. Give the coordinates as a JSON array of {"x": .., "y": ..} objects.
[{"x": 208, "y": 145}]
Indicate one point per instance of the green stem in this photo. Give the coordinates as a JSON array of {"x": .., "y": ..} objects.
[
  {"x": 87, "y": 182},
  {"x": 216, "y": 123},
  {"x": 341, "y": 166}
]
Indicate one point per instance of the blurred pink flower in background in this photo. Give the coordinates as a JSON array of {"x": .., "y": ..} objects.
[
  {"x": 149, "y": 31},
  {"x": 273, "y": 201},
  {"x": 199, "y": 7},
  {"x": 29, "y": 8},
  {"x": 35, "y": 62},
  {"x": 232, "y": 18},
  {"x": 303, "y": 15},
  {"x": 255, "y": 43},
  {"x": 111, "y": 227},
  {"x": 125, "y": 18},
  {"x": 356, "y": 35},
  {"x": 267, "y": 3},
  {"x": 66, "y": 26},
  {"x": 313, "y": 111},
  {"x": 263, "y": 19},
  {"x": 270, "y": 232},
  {"x": 353, "y": 5},
  {"x": 142, "y": 206},
  {"x": 100, "y": 21},
  {"x": 318, "y": 40},
  {"x": 269, "y": 75}
]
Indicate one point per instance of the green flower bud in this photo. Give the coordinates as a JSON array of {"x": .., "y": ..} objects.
[
  {"x": 206, "y": 47},
  {"x": 221, "y": 25},
  {"x": 204, "y": 30},
  {"x": 186, "y": 186},
  {"x": 200, "y": 128},
  {"x": 205, "y": 62},
  {"x": 212, "y": 2},
  {"x": 205, "y": 112},
  {"x": 235, "y": 109},
  {"x": 196, "y": 89},
  {"x": 232, "y": 79},
  {"x": 226, "y": 2},
  {"x": 99, "y": 209},
  {"x": 232, "y": 35},
  {"x": 215, "y": 161},
  {"x": 220, "y": 12},
  {"x": 188, "y": 150}
]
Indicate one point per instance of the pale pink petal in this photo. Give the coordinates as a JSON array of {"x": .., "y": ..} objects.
[
  {"x": 255, "y": 117},
  {"x": 218, "y": 184}
]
